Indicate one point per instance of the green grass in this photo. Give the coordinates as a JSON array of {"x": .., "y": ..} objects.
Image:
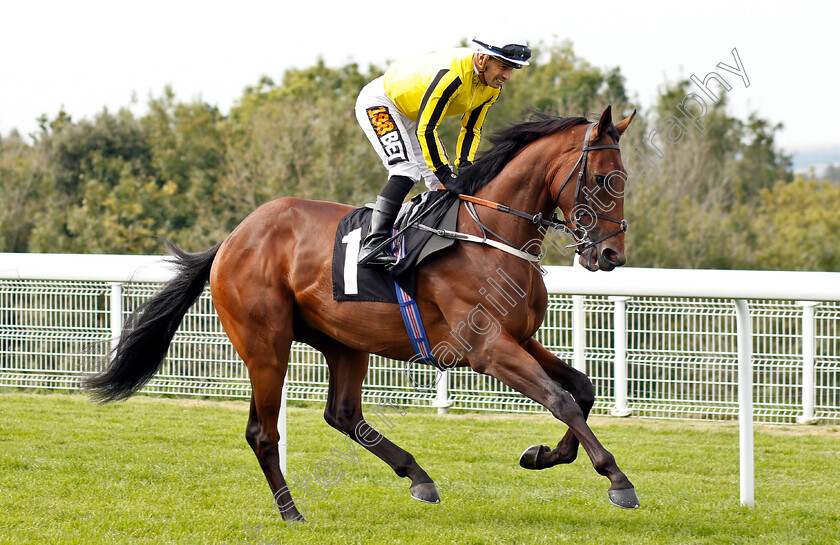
[{"x": 171, "y": 471}]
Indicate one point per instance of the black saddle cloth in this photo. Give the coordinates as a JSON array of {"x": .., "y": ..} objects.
[{"x": 354, "y": 283}]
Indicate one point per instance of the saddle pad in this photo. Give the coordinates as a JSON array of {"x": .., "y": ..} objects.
[{"x": 354, "y": 283}]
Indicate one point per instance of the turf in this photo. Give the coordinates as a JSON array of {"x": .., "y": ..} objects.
[{"x": 173, "y": 471}]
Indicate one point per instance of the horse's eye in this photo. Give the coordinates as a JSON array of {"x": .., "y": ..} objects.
[{"x": 600, "y": 180}]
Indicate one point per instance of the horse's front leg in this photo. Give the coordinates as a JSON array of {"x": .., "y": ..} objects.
[
  {"x": 577, "y": 384},
  {"x": 509, "y": 362}
]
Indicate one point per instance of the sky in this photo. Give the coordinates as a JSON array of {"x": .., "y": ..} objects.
[{"x": 87, "y": 55}]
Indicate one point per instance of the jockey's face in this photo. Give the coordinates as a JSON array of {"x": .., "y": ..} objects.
[{"x": 496, "y": 71}]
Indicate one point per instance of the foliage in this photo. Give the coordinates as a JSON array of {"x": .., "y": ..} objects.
[
  {"x": 561, "y": 83},
  {"x": 797, "y": 225},
  {"x": 832, "y": 173},
  {"x": 300, "y": 138},
  {"x": 119, "y": 183},
  {"x": 22, "y": 185},
  {"x": 697, "y": 207},
  {"x": 95, "y": 172}
]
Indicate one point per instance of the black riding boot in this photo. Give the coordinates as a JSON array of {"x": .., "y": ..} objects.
[{"x": 381, "y": 223}]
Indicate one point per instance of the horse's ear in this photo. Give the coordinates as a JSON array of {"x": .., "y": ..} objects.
[
  {"x": 603, "y": 125},
  {"x": 622, "y": 125}
]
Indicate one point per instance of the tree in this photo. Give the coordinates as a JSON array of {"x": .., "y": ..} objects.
[
  {"x": 188, "y": 146},
  {"x": 561, "y": 83},
  {"x": 694, "y": 211},
  {"x": 23, "y": 185},
  {"x": 186, "y": 172},
  {"x": 797, "y": 225},
  {"x": 759, "y": 165},
  {"x": 79, "y": 155},
  {"x": 832, "y": 173},
  {"x": 300, "y": 138},
  {"x": 117, "y": 183}
]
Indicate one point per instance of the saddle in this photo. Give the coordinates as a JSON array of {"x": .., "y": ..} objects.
[{"x": 433, "y": 209}]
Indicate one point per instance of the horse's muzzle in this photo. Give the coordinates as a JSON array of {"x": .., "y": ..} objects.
[{"x": 602, "y": 258}]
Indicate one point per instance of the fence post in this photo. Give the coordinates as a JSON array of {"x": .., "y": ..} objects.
[
  {"x": 745, "y": 402},
  {"x": 620, "y": 362},
  {"x": 115, "y": 314},
  {"x": 578, "y": 334},
  {"x": 282, "y": 441},
  {"x": 442, "y": 401},
  {"x": 809, "y": 379},
  {"x": 578, "y": 328}
]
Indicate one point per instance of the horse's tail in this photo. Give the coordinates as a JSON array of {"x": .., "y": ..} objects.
[{"x": 148, "y": 332}]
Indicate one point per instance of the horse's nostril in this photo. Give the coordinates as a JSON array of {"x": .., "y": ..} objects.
[{"x": 610, "y": 259}]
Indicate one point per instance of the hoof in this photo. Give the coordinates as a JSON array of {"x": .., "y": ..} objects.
[
  {"x": 297, "y": 520},
  {"x": 426, "y": 492},
  {"x": 625, "y": 498},
  {"x": 528, "y": 459}
]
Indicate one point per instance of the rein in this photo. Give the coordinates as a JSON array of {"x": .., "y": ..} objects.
[{"x": 581, "y": 208}]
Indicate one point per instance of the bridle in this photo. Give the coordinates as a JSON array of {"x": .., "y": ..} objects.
[{"x": 580, "y": 209}]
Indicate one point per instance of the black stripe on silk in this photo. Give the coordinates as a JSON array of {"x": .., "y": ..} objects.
[
  {"x": 470, "y": 135},
  {"x": 434, "y": 119},
  {"x": 432, "y": 86}
]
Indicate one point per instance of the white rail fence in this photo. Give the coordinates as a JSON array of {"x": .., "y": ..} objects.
[
  {"x": 756, "y": 345},
  {"x": 659, "y": 343}
]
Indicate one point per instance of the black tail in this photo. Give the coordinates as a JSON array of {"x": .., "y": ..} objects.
[{"x": 149, "y": 330}]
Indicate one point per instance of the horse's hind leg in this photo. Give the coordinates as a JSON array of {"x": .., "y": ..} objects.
[
  {"x": 261, "y": 432},
  {"x": 262, "y": 334},
  {"x": 348, "y": 368},
  {"x": 262, "y": 421},
  {"x": 574, "y": 382}
]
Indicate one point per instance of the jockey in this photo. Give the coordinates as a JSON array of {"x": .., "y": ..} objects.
[{"x": 401, "y": 110}]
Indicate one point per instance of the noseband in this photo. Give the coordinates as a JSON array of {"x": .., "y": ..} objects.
[{"x": 581, "y": 207}]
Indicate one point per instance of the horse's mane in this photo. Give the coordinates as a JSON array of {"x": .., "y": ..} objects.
[{"x": 507, "y": 143}]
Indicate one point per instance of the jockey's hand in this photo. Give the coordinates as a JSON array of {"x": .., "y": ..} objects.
[{"x": 446, "y": 176}]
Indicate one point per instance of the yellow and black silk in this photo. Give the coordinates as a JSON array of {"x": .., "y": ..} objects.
[{"x": 443, "y": 84}]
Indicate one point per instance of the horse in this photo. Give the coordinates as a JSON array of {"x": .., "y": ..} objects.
[{"x": 271, "y": 284}]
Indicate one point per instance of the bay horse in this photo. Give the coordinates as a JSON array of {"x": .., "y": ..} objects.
[{"x": 271, "y": 284}]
